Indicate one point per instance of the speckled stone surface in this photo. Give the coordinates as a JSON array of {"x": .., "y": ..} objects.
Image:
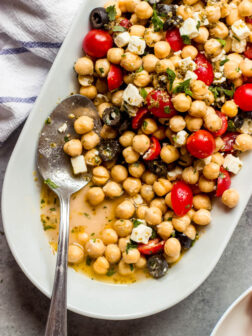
[{"x": 23, "y": 309}]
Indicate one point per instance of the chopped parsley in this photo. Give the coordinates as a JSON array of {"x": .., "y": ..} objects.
[
  {"x": 224, "y": 61},
  {"x": 143, "y": 93},
  {"x": 111, "y": 10},
  {"x": 131, "y": 267},
  {"x": 110, "y": 272},
  {"x": 219, "y": 91},
  {"x": 231, "y": 126},
  {"x": 156, "y": 21},
  {"x": 188, "y": 206},
  {"x": 88, "y": 261},
  {"x": 101, "y": 70},
  {"x": 173, "y": 234},
  {"x": 167, "y": 110},
  {"x": 48, "y": 227},
  {"x": 48, "y": 121},
  {"x": 42, "y": 201},
  {"x": 51, "y": 184},
  {"x": 183, "y": 87},
  {"x": 92, "y": 234},
  {"x": 66, "y": 138},
  {"x": 130, "y": 245},
  {"x": 171, "y": 77},
  {"x": 154, "y": 234},
  {"x": 169, "y": 218},
  {"x": 118, "y": 29},
  {"x": 237, "y": 38},
  {"x": 136, "y": 222},
  {"x": 86, "y": 215},
  {"x": 198, "y": 25},
  {"x": 221, "y": 175},
  {"x": 140, "y": 69},
  {"x": 222, "y": 42},
  {"x": 52, "y": 209},
  {"x": 186, "y": 39},
  {"x": 145, "y": 124}
]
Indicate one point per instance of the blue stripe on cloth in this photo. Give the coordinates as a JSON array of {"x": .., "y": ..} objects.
[
  {"x": 13, "y": 51},
  {"x": 31, "y": 44},
  {"x": 28, "y": 100}
]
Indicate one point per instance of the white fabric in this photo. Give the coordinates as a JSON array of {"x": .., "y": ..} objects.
[{"x": 31, "y": 32}]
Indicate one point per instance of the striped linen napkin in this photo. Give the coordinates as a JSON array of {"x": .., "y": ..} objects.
[{"x": 31, "y": 33}]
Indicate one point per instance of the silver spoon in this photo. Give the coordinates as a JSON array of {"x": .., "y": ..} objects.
[{"x": 55, "y": 168}]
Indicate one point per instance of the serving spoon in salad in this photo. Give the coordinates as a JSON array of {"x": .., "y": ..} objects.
[{"x": 55, "y": 168}]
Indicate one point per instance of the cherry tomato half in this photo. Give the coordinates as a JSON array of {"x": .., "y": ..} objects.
[
  {"x": 152, "y": 247},
  {"x": 139, "y": 117},
  {"x": 223, "y": 182},
  {"x": 159, "y": 103},
  {"x": 154, "y": 150},
  {"x": 243, "y": 97},
  {"x": 125, "y": 23},
  {"x": 201, "y": 144},
  {"x": 115, "y": 77},
  {"x": 181, "y": 198},
  {"x": 174, "y": 38},
  {"x": 204, "y": 69},
  {"x": 248, "y": 19},
  {"x": 248, "y": 51},
  {"x": 97, "y": 42},
  {"x": 224, "y": 126},
  {"x": 229, "y": 140}
]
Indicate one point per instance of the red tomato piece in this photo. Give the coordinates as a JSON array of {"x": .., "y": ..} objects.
[
  {"x": 115, "y": 77},
  {"x": 248, "y": 51},
  {"x": 154, "y": 150},
  {"x": 174, "y": 38},
  {"x": 152, "y": 247},
  {"x": 204, "y": 69},
  {"x": 248, "y": 19},
  {"x": 243, "y": 97},
  {"x": 125, "y": 23},
  {"x": 97, "y": 42},
  {"x": 224, "y": 126},
  {"x": 159, "y": 103},
  {"x": 139, "y": 117},
  {"x": 247, "y": 79},
  {"x": 201, "y": 144},
  {"x": 181, "y": 198},
  {"x": 223, "y": 182},
  {"x": 229, "y": 140}
]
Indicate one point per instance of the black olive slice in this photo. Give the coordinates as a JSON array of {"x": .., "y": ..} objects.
[
  {"x": 112, "y": 116},
  {"x": 109, "y": 149},
  {"x": 98, "y": 18},
  {"x": 185, "y": 241},
  {"x": 157, "y": 266}
]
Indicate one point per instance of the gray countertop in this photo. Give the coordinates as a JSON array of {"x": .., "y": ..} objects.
[{"x": 23, "y": 309}]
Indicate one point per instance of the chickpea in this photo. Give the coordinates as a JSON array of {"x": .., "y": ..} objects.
[
  {"x": 117, "y": 98},
  {"x": 228, "y": 45},
  {"x": 230, "y": 198},
  {"x": 190, "y": 232},
  {"x": 90, "y": 140},
  {"x": 126, "y": 139},
  {"x": 101, "y": 265},
  {"x": 201, "y": 201},
  {"x": 198, "y": 109},
  {"x": 102, "y": 87},
  {"x": 198, "y": 6},
  {"x": 225, "y": 10},
  {"x": 246, "y": 66},
  {"x": 100, "y": 175},
  {"x": 199, "y": 89},
  {"x": 84, "y": 66},
  {"x": 128, "y": 78},
  {"x": 184, "y": 11},
  {"x": 119, "y": 173},
  {"x": 168, "y": 215},
  {"x": 75, "y": 253},
  {"x": 206, "y": 185},
  {"x": 189, "y": 51},
  {"x": 114, "y": 55},
  {"x": 112, "y": 253},
  {"x": 140, "y": 212},
  {"x": 233, "y": 16},
  {"x": 231, "y": 70},
  {"x": 213, "y": 13},
  {"x": 92, "y": 157},
  {"x": 172, "y": 260},
  {"x": 95, "y": 196},
  {"x": 123, "y": 242},
  {"x": 162, "y": 49},
  {"x": 141, "y": 143},
  {"x": 101, "y": 108},
  {"x": 102, "y": 67},
  {"x": 85, "y": 80},
  {"x": 172, "y": 247},
  {"x": 190, "y": 175},
  {"x": 112, "y": 189},
  {"x": 181, "y": 223},
  {"x": 109, "y": 236},
  {"x": 169, "y": 153},
  {"x": 220, "y": 30},
  {"x": 132, "y": 185},
  {"x": 235, "y": 57},
  {"x": 83, "y": 124},
  {"x": 245, "y": 8},
  {"x": 213, "y": 122},
  {"x": 131, "y": 62},
  {"x": 125, "y": 210},
  {"x": 219, "y": 143},
  {"x": 152, "y": 37},
  {"x": 147, "y": 192},
  {"x": 162, "y": 186},
  {"x": 168, "y": 200},
  {"x": 213, "y": 47},
  {"x": 153, "y": 216},
  {"x": 218, "y": 158},
  {"x": 165, "y": 229},
  {"x": 211, "y": 171},
  {"x": 130, "y": 155},
  {"x": 108, "y": 132},
  {"x": 202, "y": 217},
  {"x": 141, "y": 263},
  {"x": 190, "y": 213},
  {"x": 136, "y": 169},
  {"x": 113, "y": 3},
  {"x": 193, "y": 123},
  {"x": 137, "y": 30},
  {"x": 149, "y": 62},
  {"x": 143, "y": 10},
  {"x": 124, "y": 269},
  {"x": 203, "y": 35},
  {"x": 243, "y": 142},
  {"x": 164, "y": 64},
  {"x": 190, "y": 2},
  {"x": 177, "y": 123},
  {"x": 82, "y": 237},
  {"x": 89, "y": 91},
  {"x": 181, "y": 102},
  {"x": 159, "y": 203},
  {"x": 149, "y": 178},
  {"x": 95, "y": 247},
  {"x": 230, "y": 108},
  {"x": 73, "y": 147},
  {"x": 149, "y": 126},
  {"x": 209, "y": 98},
  {"x": 131, "y": 256},
  {"x": 142, "y": 78},
  {"x": 175, "y": 60}
]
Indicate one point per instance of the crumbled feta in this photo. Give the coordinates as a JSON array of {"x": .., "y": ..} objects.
[
  {"x": 200, "y": 17},
  {"x": 62, "y": 128},
  {"x": 180, "y": 138},
  {"x": 219, "y": 78},
  {"x": 137, "y": 45},
  {"x": 186, "y": 64},
  {"x": 219, "y": 57},
  {"x": 173, "y": 174},
  {"x": 132, "y": 96},
  {"x": 122, "y": 39},
  {"x": 190, "y": 75},
  {"x": 240, "y": 29},
  {"x": 79, "y": 164},
  {"x": 247, "y": 126},
  {"x": 238, "y": 46},
  {"x": 141, "y": 234},
  {"x": 177, "y": 53},
  {"x": 189, "y": 28},
  {"x": 232, "y": 164}
]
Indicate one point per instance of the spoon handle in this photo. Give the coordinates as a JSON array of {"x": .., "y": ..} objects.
[{"x": 57, "y": 318}]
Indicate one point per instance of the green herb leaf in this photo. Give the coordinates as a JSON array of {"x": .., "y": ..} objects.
[
  {"x": 119, "y": 29},
  {"x": 110, "y": 272},
  {"x": 143, "y": 93},
  {"x": 101, "y": 70},
  {"x": 231, "y": 126},
  {"x": 48, "y": 227},
  {"x": 52, "y": 209},
  {"x": 88, "y": 261},
  {"x": 198, "y": 25},
  {"x": 218, "y": 91},
  {"x": 111, "y": 10},
  {"x": 224, "y": 61},
  {"x": 221, "y": 175},
  {"x": 136, "y": 222},
  {"x": 169, "y": 219},
  {"x": 86, "y": 214},
  {"x": 48, "y": 121},
  {"x": 140, "y": 69},
  {"x": 171, "y": 77},
  {"x": 145, "y": 124},
  {"x": 186, "y": 39},
  {"x": 156, "y": 21},
  {"x": 222, "y": 42},
  {"x": 66, "y": 138},
  {"x": 154, "y": 234},
  {"x": 51, "y": 184},
  {"x": 131, "y": 267},
  {"x": 42, "y": 201},
  {"x": 183, "y": 87},
  {"x": 173, "y": 234},
  {"x": 167, "y": 110},
  {"x": 188, "y": 206},
  {"x": 237, "y": 38},
  {"x": 130, "y": 245}
]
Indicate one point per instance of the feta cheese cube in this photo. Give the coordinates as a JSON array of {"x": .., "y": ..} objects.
[
  {"x": 122, "y": 39},
  {"x": 62, "y": 128},
  {"x": 79, "y": 164},
  {"x": 232, "y": 164},
  {"x": 137, "y": 45},
  {"x": 132, "y": 96},
  {"x": 219, "y": 57},
  {"x": 180, "y": 138},
  {"x": 189, "y": 28},
  {"x": 186, "y": 64},
  {"x": 247, "y": 126},
  {"x": 190, "y": 75},
  {"x": 240, "y": 29},
  {"x": 141, "y": 234},
  {"x": 238, "y": 46}
]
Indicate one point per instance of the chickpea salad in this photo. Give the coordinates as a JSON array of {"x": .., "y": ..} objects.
[{"x": 172, "y": 83}]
